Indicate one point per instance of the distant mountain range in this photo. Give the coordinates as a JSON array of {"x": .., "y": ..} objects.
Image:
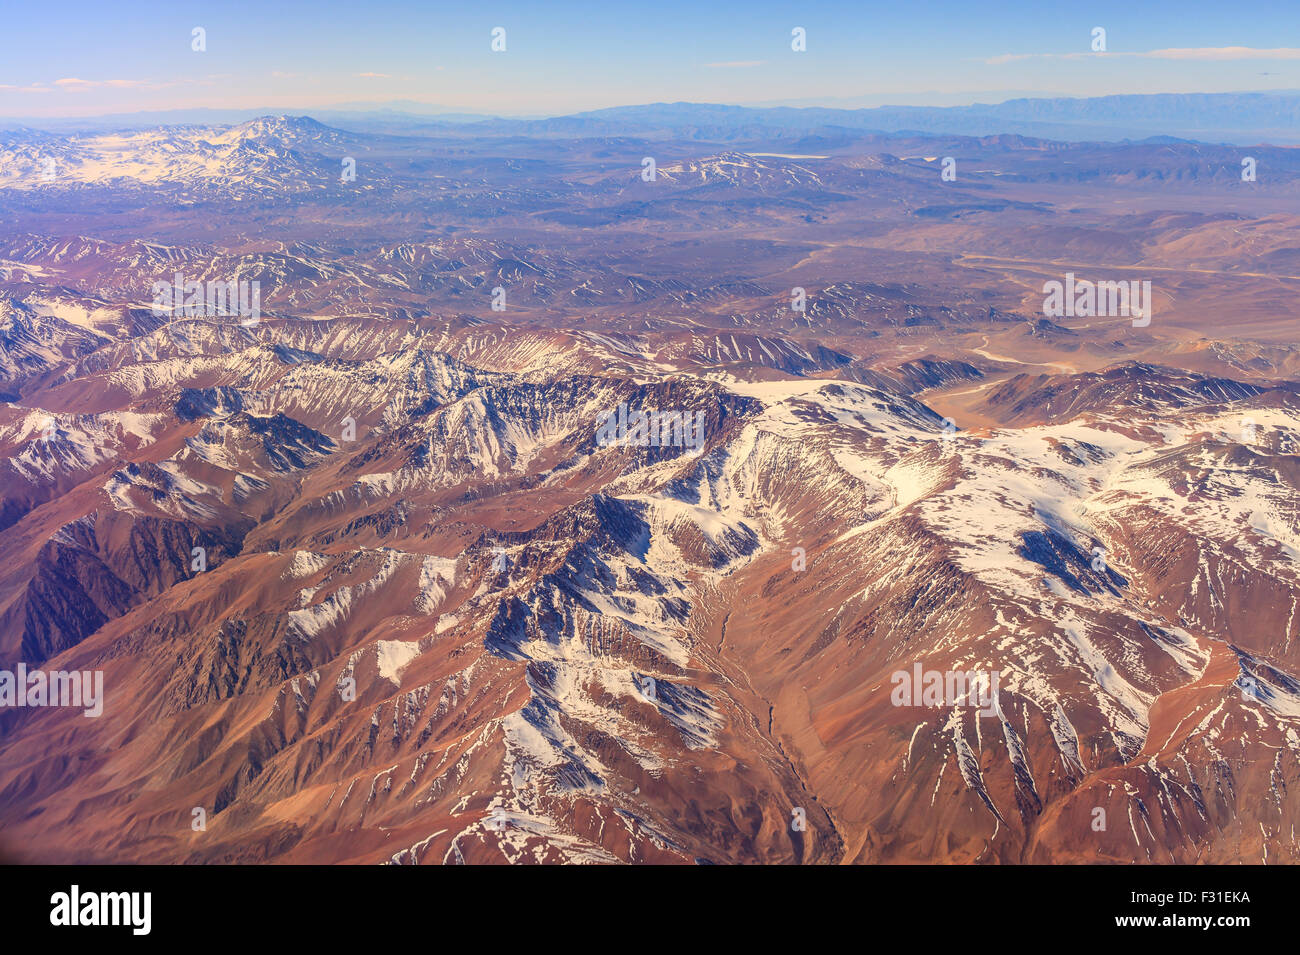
[
  {"x": 1245, "y": 118},
  {"x": 1210, "y": 117}
]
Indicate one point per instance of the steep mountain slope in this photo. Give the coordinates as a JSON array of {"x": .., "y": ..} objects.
[{"x": 474, "y": 633}]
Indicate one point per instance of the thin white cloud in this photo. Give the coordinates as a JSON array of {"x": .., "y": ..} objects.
[
  {"x": 73, "y": 83},
  {"x": 1172, "y": 53},
  {"x": 376, "y": 76}
]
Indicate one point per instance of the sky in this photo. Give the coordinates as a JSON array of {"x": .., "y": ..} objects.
[{"x": 88, "y": 57}]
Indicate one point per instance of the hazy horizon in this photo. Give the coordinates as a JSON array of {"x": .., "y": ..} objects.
[
  {"x": 566, "y": 58},
  {"x": 434, "y": 111}
]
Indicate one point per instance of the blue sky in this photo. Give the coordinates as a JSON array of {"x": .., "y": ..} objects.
[{"x": 87, "y": 57}]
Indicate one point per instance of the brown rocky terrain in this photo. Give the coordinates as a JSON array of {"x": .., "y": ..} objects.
[{"x": 366, "y": 583}]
